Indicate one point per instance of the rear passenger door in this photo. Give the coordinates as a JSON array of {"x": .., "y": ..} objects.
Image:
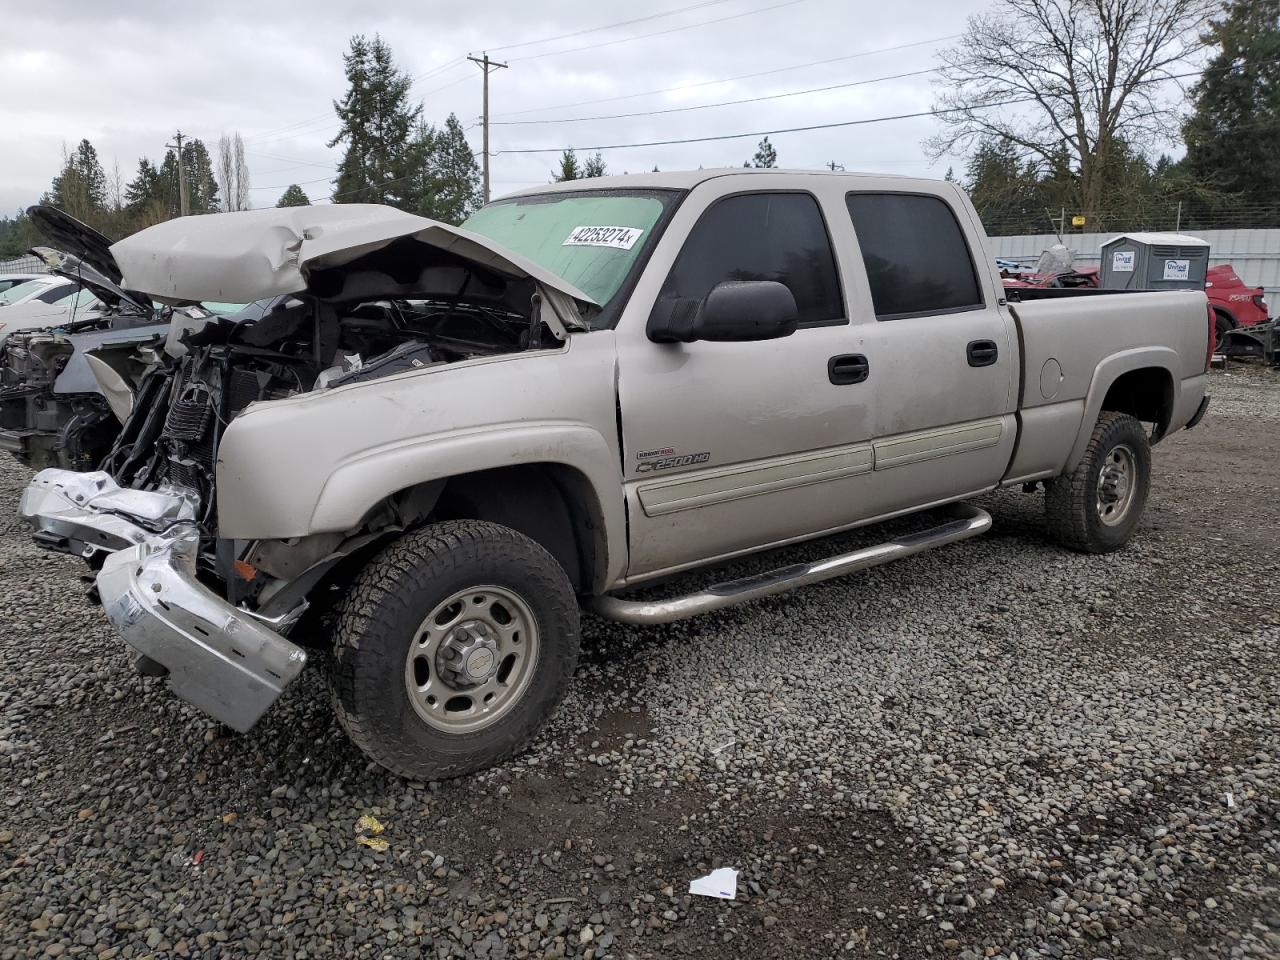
[{"x": 941, "y": 345}]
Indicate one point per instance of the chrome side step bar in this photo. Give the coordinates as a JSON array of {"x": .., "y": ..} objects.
[{"x": 969, "y": 521}]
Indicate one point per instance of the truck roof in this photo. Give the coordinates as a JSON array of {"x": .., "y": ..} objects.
[{"x": 687, "y": 179}]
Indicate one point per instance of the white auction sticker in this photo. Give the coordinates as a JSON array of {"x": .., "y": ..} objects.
[
  {"x": 624, "y": 238},
  {"x": 1177, "y": 269},
  {"x": 1122, "y": 261}
]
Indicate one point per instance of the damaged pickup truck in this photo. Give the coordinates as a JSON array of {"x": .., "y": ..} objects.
[{"x": 443, "y": 440}]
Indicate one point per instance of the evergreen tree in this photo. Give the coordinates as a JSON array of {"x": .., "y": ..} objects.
[
  {"x": 1004, "y": 191},
  {"x": 293, "y": 196},
  {"x": 80, "y": 189},
  {"x": 446, "y": 182},
  {"x": 1232, "y": 134},
  {"x": 378, "y": 123},
  {"x": 202, "y": 182},
  {"x": 202, "y": 185},
  {"x": 569, "y": 169},
  {"x": 765, "y": 155},
  {"x": 146, "y": 199},
  {"x": 594, "y": 167}
]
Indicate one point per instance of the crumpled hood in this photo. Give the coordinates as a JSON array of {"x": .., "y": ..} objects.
[
  {"x": 103, "y": 287},
  {"x": 255, "y": 254}
]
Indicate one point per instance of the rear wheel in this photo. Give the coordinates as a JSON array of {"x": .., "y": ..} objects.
[
  {"x": 1096, "y": 507},
  {"x": 453, "y": 648},
  {"x": 1222, "y": 325}
]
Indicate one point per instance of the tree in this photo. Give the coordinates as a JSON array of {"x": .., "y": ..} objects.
[
  {"x": 202, "y": 184},
  {"x": 447, "y": 179},
  {"x": 146, "y": 198},
  {"x": 378, "y": 123},
  {"x": 144, "y": 187},
  {"x": 765, "y": 155},
  {"x": 80, "y": 189},
  {"x": 293, "y": 196},
  {"x": 1232, "y": 134},
  {"x": 569, "y": 169},
  {"x": 1065, "y": 81},
  {"x": 233, "y": 173},
  {"x": 1003, "y": 189},
  {"x": 594, "y": 167}
]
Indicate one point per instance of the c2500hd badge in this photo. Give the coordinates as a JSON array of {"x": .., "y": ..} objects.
[{"x": 665, "y": 458}]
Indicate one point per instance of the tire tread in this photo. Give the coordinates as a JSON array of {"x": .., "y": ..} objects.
[{"x": 376, "y": 595}]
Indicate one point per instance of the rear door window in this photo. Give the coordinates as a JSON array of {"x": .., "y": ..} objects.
[
  {"x": 762, "y": 236},
  {"x": 918, "y": 262}
]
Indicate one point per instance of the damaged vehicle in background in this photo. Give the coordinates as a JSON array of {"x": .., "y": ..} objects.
[
  {"x": 53, "y": 409},
  {"x": 446, "y": 438}
]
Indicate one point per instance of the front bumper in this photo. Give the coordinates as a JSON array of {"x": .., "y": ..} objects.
[{"x": 220, "y": 658}]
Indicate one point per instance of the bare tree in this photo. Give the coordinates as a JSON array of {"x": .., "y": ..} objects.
[
  {"x": 233, "y": 173},
  {"x": 1070, "y": 83}
]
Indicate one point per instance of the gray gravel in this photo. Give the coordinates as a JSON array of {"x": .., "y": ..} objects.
[{"x": 996, "y": 750}]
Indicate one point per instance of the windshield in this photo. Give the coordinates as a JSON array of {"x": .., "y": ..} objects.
[
  {"x": 593, "y": 239},
  {"x": 78, "y": 299},
  {"x": 222, "y": 309}
]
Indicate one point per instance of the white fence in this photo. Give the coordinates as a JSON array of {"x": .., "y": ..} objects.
[
  {"x": 24, "y": 264},
  {"x": 1254, "y": 253}
]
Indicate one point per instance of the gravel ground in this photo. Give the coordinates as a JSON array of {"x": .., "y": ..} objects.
[{"x": 995, "y": 750}]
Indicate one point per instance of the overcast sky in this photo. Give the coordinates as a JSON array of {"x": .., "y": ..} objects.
[{"x": 126, "y": 75}]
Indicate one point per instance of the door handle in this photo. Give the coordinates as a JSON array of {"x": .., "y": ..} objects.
[
  {"x": 848, "y": 368},
  {"x": 982, "y": 353}
]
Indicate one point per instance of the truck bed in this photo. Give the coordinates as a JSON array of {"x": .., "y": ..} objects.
[{"x": 1077, "y": 344}]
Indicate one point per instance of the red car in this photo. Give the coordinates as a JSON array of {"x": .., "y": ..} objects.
[{"x": 1233, "y": 303}]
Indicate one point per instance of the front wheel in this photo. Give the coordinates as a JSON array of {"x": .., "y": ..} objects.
[
  {"x": 453, "y": 648},
  {"x": 1096, "y": 507}
]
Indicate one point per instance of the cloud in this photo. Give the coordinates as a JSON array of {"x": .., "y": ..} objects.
[{"x": 126, "y": 76}]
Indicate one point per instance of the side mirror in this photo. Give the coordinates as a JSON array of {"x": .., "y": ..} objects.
[{"x": 734, "y": 310}]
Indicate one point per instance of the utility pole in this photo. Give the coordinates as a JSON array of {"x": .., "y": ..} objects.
[
  {"x": 182, "y": 174},
  {"x": 488, "y": 66}
]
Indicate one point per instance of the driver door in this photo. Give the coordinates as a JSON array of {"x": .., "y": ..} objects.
[{"x": 728, "y": 446}]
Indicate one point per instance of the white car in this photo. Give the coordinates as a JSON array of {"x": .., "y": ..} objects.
[
  {"x": 45, "y": 289},
  {"x": 8, "y": 280},
  {"x": 52, "y": 305}
]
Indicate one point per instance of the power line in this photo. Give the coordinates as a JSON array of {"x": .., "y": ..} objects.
[
  {"x": 659, "y": 33},
  {"x": 296, "y": 183},
  {"x": 818, "y": 126},
  {"x": 744, "y": 76},
  {"x": 769, "y": 133},
  {"x": 610, "y": 26},
  {"x": 723, "y": 103},
  {"x": 298, "y": 125}
]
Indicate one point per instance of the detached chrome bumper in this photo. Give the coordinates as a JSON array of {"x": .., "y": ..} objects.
[{"x": 219, "y": 658}]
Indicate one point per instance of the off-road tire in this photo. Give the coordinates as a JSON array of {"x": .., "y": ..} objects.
[
  {"x": 1070, "y": 502},
  {"x": 377, "y": 620}
]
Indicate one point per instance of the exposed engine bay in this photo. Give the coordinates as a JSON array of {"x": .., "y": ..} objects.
[
  {"x": 207, "y": 374},
  {"x": 52, "y": 412}
]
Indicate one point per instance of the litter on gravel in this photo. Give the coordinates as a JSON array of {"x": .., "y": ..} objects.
[{"x": 721, "y": 883}]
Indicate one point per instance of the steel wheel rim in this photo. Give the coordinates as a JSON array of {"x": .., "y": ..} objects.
[
  {"x": 1117, "y": 485},
  {"x": 472, "y": 659}
]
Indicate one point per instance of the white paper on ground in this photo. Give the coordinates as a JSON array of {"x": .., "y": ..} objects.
[{"x": 721, "y": 883}]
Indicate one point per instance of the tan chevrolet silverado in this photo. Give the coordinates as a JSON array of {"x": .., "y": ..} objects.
[{"x": 440, "y": 441}]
